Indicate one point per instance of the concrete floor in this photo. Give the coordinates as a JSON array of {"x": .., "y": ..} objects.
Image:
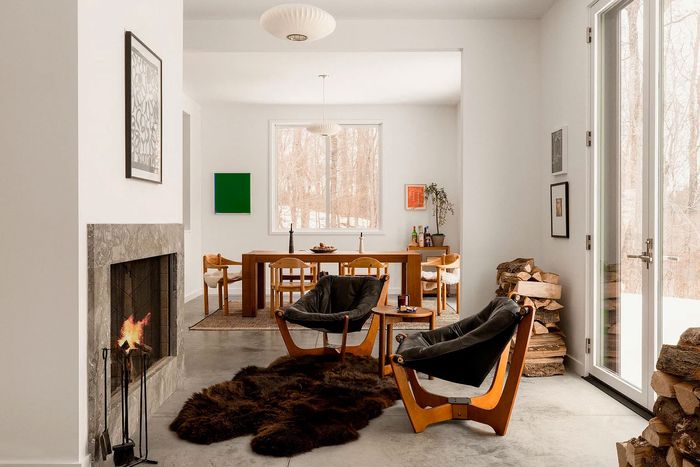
[{"x": 559, "y": 421}]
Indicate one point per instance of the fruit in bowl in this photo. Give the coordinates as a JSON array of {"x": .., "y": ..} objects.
[{"x": 323, "y": 248}]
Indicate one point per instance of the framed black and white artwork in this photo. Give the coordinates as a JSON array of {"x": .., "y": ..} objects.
[
  {"x": 559, "y": 150},
  {"x": 559, "y": 210},
  {"x": 144, "y": 111}
]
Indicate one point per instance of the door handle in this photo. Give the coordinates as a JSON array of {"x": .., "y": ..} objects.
[
  {"x": 643, "y": 257},
  {"x": 647, "y": 254}
]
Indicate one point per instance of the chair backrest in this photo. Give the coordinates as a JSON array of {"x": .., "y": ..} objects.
[
  {"x": 451, "y": 260},
  {"x": 209, "y": 260},
  {"x": 277, "y": 270},
  {"x": 372, "y": 266}
]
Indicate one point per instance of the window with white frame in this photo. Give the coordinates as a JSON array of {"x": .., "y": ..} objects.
[{"x": 322, "y": 183}]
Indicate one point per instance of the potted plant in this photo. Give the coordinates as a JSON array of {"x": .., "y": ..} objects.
[{"x": 441, "y": 206}]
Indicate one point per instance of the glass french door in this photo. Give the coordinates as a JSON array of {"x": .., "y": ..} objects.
[{"x": 645, "y": 266}]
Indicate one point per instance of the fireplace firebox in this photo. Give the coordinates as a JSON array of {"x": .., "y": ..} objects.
[{"x": 142, "y": 292}]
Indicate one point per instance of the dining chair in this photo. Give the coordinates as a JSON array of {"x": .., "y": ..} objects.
[
  {"x": 446, "y": 274},
  {"x": 216, "y": 274},
  {"x": 365, "y": 266},
  {"x": 289, "y": 275}
]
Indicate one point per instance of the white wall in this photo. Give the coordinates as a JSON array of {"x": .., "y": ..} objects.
[
  {"x": 106, "y": 196},
  {"x": 499, "y": 134},
  {"x": 419, "y": 146},
  {"x": 564, "y": 91},
  {"x": 193, "y": 236},
  {"x": 39, "y": 394}
]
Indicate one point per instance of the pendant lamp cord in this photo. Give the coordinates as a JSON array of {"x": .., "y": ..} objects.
[{"x": 323, "y": 93}]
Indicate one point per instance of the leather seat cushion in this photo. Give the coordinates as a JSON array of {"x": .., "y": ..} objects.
[
  {"x": 334, "y": 297},
  {"x": 466, "y": 351}
]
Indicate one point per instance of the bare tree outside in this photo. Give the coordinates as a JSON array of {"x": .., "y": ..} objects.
[
  {"x": 327, "y": 182},
  {"x": 680, "y": 164}
]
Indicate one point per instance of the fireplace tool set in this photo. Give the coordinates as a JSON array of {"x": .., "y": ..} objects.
[{"x": 124, "y": 453}]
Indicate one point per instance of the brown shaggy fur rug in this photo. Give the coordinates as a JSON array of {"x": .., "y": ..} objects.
[{"x": 292, "y": 406}]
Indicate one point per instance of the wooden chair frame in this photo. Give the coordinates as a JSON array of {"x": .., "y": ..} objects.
[
  {"x": 364, "y": 348},
  {"x": 441, "y": 266},
  {"x": 373, "y": 266},
  {"x": 278, "y": 277},
  {"x": 218, "y": 262},
  {"x": 494, "y": 408}
]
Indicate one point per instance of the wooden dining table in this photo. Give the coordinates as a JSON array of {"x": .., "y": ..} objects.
[{"x": 254, "y": 271}]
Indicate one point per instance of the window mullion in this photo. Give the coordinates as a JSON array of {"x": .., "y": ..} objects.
[{"x": 328, "y": 182}]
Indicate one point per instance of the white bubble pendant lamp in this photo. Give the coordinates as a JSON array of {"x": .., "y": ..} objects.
[
  {"x": 324, "y": 127},
  {"x": 298, "y": 22}
]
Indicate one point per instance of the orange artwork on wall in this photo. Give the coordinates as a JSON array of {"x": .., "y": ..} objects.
[{"x": 415, "y": 196}]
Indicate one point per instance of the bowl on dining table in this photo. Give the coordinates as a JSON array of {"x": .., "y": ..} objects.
[{"x": 323, "y": 248}]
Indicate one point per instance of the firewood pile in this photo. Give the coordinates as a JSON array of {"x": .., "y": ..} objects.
[
  {"x": 673, "y": 435},
  {"x": 541, "y": 290}
]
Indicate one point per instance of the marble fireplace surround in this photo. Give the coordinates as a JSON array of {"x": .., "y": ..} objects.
[{"x": 116, "y": 243}]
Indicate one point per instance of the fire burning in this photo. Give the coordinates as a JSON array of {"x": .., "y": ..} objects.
[{"x": 132, "y": 332}]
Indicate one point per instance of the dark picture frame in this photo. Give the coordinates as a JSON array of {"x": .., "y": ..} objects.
[
  {"x": 143, "y": 110},
  {"x": 560, "y": 150},
  {"x": 559, "y": 209}
]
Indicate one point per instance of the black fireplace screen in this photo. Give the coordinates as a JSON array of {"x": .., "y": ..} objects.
[{"x": 141, "y": 296}]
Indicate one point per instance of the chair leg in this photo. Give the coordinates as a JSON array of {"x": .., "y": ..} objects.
[
  {"x": 293, "y": 349},
  {"x": 458, "y": 293},
  {"x": 221, "y": 303},
  {"x": 272, "y": 301},
  {"x": 420, "y": 417},
  {"x": 225, "y": 287},
  {"x": 438, "y": 295},
  {"x": 206, "y": 299},
  {"x": 344, "y": 344}
]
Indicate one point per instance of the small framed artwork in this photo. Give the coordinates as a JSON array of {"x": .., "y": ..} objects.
[
  {"x": 232, "y": 193},
  {"x": 559, "y": 210},
  {"x": 559, "y": 150},
  {"x": 144, "y": 111},
  {"x": 415, "y": 197}
]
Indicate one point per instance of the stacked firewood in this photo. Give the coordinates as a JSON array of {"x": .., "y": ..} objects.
[
  {"x": 541, "y": 290},
  {"x": 673, "y": 435}
]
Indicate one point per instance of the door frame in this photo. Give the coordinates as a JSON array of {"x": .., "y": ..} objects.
[{"x": 651, "y": 331}]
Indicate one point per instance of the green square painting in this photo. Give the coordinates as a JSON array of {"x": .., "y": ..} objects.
[{"x": 232, "y": 193}]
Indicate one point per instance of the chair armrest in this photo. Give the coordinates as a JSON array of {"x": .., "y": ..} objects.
[
  {"x": 230, "y": 262},
  {"x": 454, "y": 265}
]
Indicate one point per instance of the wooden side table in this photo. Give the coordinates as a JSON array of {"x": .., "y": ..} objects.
[{"x": 388, "y": 316}]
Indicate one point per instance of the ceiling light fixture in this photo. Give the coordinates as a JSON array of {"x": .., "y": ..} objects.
[
  {"x": 297, "y": 22},
  {"x": 324, "y": 128}
]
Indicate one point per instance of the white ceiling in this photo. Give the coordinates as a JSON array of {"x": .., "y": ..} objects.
[
  {"x": 351, "y": 9},
  {"x": 354, "y": 77}
]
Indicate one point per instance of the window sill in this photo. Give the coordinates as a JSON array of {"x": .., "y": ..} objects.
[{"x": 339, "y": 233}]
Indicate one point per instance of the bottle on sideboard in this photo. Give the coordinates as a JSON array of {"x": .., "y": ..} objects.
[
  {"x": 414, "y": 236},
  {"x": 428, "y": 237},
  {"x": 421, "y": 236}
]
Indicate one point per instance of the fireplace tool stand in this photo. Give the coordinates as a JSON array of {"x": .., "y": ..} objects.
[{"x": 124, "y": 453}]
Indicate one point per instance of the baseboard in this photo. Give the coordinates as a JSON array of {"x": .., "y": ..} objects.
[
  {"x": 84, "y": 462},
  {"x": 192, "y": 295},
  {"x": 575, "y": 365}
]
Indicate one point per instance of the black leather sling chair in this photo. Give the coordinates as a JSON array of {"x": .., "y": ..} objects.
[
  {"x": 465, "y": 352},
  {"x": 338, "y": 304}
]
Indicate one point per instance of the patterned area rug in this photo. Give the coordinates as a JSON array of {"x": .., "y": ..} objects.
[{"x": 235, "y": 321}]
